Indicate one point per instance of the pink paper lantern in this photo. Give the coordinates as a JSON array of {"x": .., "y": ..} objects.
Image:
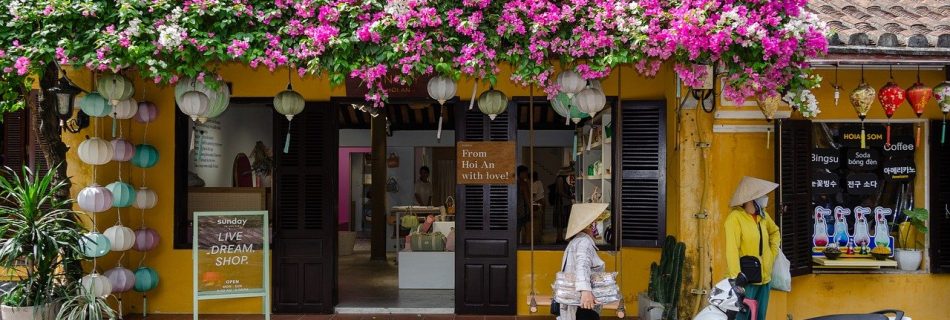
[
  {"x": 123, "y": 150},
  {"x": 122, "y": 279},
  {"x": 147, "y": 112},
  {"x": 146, "y": 239},
  {"x": 94, "y": 199}
]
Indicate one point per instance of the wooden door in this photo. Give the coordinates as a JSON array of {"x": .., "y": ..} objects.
[
  {"x": 486, "y": 252},
  {"x": 305, "y": 233}
]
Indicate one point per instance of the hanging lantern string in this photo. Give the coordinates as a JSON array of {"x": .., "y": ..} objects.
[
  {"x": 862, "y": 73},
  {"x": 471, "y": 102},
  {"x": 142, "y": 261},
  {"x": 891, "y": 72}
]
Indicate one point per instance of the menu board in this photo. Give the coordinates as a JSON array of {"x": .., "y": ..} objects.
[{"x": 485, "y": 162}]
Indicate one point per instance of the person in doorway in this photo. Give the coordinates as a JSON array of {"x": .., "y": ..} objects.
[
  {"x": 523, "y": 202},
  {"x": 580, "y": 257},
  {"x": 537, "y": 206},
  {"x": 562, "y": 200},
  {"x": 423, "y": 188},
  {"x": 751, "y": 235}
]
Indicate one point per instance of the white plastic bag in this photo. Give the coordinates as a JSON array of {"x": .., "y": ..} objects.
[{"x": 781, "y": 273}]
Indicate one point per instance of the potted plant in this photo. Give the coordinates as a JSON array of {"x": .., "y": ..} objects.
[
  {"x": 910, "y": 239},
  {"x": 83, "y": 305},
  {"x": 40, "y": 244}
]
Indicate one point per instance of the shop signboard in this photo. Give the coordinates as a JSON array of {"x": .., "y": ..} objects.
[
  {"x": 874, "y": 135},
  {"x": 863, "y": 159},
  {"x": 230, "y": 256},
  {"x": 901, "y": 169},
  {"x": 825, "y": 158},
  {"x": 862, "y": 183},
  {"x": 902, "y": 145},
  {"x": 485, "y": 162},
  {"x": 823, "y": 182}
]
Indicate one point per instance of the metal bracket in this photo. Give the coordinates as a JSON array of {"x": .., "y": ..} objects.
[
  {"x": 700, "y": 292},
  {"x": 701, "y": 215},
  {"x": 703, "y": 145}
]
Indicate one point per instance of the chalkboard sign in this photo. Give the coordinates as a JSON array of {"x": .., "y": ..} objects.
[
  {"x": 862, "y": 183},
  {"x": 863, "y": 159},
  {"x": 874, "y": 135},
  {"x": 825, "y": 158},
  {"x": 902, "y": 145},
  {"x": 823, "y": 182},
  {"x": 901, "y": 169},
  {"x": 230, "y": 256}
]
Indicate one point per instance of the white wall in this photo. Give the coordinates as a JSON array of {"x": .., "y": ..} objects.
[{"x": 240, "y": 128}]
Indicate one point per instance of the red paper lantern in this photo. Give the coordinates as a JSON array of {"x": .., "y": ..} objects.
[
  {"x": 919, "y": 95},
  {"x": 891, "y": 96}
]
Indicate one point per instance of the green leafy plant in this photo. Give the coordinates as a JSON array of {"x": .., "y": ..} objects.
[
  {"x": 916, "y": 219},
  {"x": 40, "y": 237},
  {"x": 84, "y": 306}
]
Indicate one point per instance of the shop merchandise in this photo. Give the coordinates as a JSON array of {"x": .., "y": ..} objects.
[
  {"x": 392, "y": 161},
  {"x": 392, "y": 186}
]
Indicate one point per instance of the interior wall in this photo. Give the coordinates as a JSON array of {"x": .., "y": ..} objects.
[{"x": 223, "y": 138}]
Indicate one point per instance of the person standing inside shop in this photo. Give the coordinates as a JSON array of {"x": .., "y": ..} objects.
[
  {"x": 752, "y": 240},
  {"x": 523, "y": 202},
  {"x": 423, "y": 188},
  {"x": 580, "y": 257},
  {"x": 562, "y": 199}
]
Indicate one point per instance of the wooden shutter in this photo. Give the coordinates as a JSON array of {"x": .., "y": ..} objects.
[
  {"x": 15, "y": 139},
  {"x": 305, "y": 232},
  {"x": 792, "y": 166},
  {"x": 640, "y": 189},
  {"x": 36, "y": 158},
  {"x": 939, "y": 201},
  {"x": 486, "y": 252}
]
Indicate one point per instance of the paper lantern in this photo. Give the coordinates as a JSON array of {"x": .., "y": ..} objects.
[
  {"x": 570, "y": 83},
  {"x": 121, "y": 279},
  {"x": 95, "y": 105},
  {"x": 576, "y": 114},
  {"x": 288, "y": 103},
  {"x": 492, "y": 103},
  {"x": 94, "y": 244},
  {"x": 115, "y": 87},
  {"x": 769, "y": 105},
  {"x": 145, "y": 199},
  {"x": 861, "y": 99},
  {"x": 919, "y": 95},
  {"x": 561, "y": 105},
  {"x": 122, "y": 150},
  {"x": 146, "y": 156},
  {"x": 219, "y": 102},
  {"x": 94, "y": 199},
  {"x": 146, "y": 279},
  {"x": 125, "y": 109},
  {"x": 122, "y": 194},
  {"x": 194, "y": 104},
  {"x": 891, "y": 97},
  {"x": 590, "y": 100},
  {"x": 218, "y": 98},
  {"x": 96, "y": 285},
  {"x": 146, "y": 112},
  {"x": 441, "y": 89},
  {"x": 146, "y": 239},
  {"x": 120, "y": 237},
  {"x": 95, "y": 151}
]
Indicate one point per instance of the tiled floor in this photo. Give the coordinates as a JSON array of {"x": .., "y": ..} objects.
[{"x": 375, "y": 284}]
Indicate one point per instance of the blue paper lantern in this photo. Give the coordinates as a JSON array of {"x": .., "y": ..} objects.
[
  {"x": 94, "y": 244},
  {"x": 146, "y": 279},
  {"x": 146, "y": 156},
  {"x": 95, "y": 105},
  {"x": 123, "y": 194}
]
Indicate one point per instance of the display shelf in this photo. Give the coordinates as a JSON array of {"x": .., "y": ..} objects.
[{"x": 853, "y": 263}]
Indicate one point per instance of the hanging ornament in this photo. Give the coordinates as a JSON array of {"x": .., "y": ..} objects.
[
  {"x": 590, "y": 100},
  {"x": 220, "y": 99},
  {"x": 217, "y": 92},
  {"x": 769, "y": 104},
  {"x": 122, "y": 194},
  {"x": 115, "y": 87},
  {"x": 289, "y": 103},
  {"x": 96, "y": 151},
  {"x": 492, "y": 102},
  {"x": 146, "y": 112},
  {"x": 146, "y": 156},
  {"x": 562, "y": 106},
  {"x": 891, "y": 97},
  {"x": 145, "y": 199},
  {"x": 94, "y": 105},
  {"x": 918, "y": 95},
  {"x": 194, "y": 104},
  {"x": 94, "y": 199},
  {"x": 441, "y": 89},
  {"x": 146, "y": 279},
  {"x": 570, "y": 82},
  {"x": 94, "y": 244},
  {"x": 123, "y": 150},
  {"x": 942, "y": 95},
  {"x": 861, "y": 99},
  {"x": 121, "y": 279},
  {"x": 146, "y": 239},
  {"x": 120, "y": 237},
  {"x": 837, "y": 87},
  {"x": 123, "y": 110},
  {"x": 96, "y": 285},
  {"x": 576, "y": 114}
]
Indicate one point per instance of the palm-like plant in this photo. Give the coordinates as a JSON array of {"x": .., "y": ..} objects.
[{"x": 39, "y": 236}]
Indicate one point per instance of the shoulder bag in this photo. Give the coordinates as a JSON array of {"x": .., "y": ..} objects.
[{"x": 751, "y": 266}]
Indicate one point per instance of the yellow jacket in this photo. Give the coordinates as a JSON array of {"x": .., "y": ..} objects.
[{"x": 742, "y": 239}]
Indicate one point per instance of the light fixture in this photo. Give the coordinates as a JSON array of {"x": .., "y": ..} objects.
[
  {"x": 65, "y": 93},
  {"x": 492, "y": 103},
  {"x": 288, "y": 103}
]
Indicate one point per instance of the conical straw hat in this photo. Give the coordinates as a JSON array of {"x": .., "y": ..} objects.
[
  {"x": 582, "y": 215},
  {"x": 750, "y": 189}
]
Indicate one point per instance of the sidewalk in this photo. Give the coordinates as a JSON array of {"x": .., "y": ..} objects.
[{"x": 347, "y": 317}]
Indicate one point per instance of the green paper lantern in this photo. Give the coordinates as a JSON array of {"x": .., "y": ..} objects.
[
  {"x": 115, "y": 87},
  {"x": 94, "y": 244},
  {"x": 492, "y": 103},
  {"x": 577, "y": 115},
  {"x": 146, "y": 156},
  {"x": 95, "y": 105},
  {"x": 123, "y": 194},
  {"x": 146, "y": 279}
]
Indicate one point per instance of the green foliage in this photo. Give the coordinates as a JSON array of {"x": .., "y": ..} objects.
[
  {"x": 917, "y": 218},
  {"x": 84, "y": 306},
  {"x": 666, "y": 278}
]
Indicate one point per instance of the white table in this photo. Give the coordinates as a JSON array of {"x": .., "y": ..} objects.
[{"x": 426, "y": 270}]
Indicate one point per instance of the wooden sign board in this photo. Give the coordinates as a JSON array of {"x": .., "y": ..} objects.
[{"x": 485, "y": 162}]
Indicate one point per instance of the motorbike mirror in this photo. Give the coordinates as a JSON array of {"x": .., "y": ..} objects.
[{"x": 741, "y": 280}]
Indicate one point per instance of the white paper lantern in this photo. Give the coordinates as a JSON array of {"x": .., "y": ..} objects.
[
  {"x": 289, "y": 103},
  {"x": 441, "y": 88},
  {"x": 120, "y": 278},
  {"x": 96, "y": 285},
  {"x": 145, "y": 199},
  {"x": 95, "y": 151},
  {"x": 125, "y": 109},
  {"x": 218, "y": 99},
  {"x": 570, "y": 82},
  {"x": 194, "y": 104},
  {"x": 492, "y": 103},
  {"x": 121, "y": 237},
  {"x": 94, "y": 199},
  {"x": 590, "y": 100},
  {"x": 115, "y": 87},
  {"x": 122, "y": 150}
]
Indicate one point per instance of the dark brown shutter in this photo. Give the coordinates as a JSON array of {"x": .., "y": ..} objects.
[
  {"x": 792, "y": 166},
  {"x": 939, "y": 201},
  {"x": 15, "y": 139},
  {"x": 305, "y": 211},
  {"x": 486, "y": 256},
  {"x": 37, "y": 160},
  {"x": 640, "y": 188}
]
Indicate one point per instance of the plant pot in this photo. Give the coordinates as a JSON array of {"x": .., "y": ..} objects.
[
  {"x": 347, "y": 242},
  {"x": 908, "y": 260},
  {"x": 42, "y": 312},
  {"x": 648, "y": 309}
]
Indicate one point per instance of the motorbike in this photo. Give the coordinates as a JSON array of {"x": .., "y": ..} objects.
[{"x": 727, "y": 299}]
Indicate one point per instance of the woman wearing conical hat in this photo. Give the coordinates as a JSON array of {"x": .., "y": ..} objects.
[
  {"x": 580, "y": 257},
  {"x": 751, "y": 235}
]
